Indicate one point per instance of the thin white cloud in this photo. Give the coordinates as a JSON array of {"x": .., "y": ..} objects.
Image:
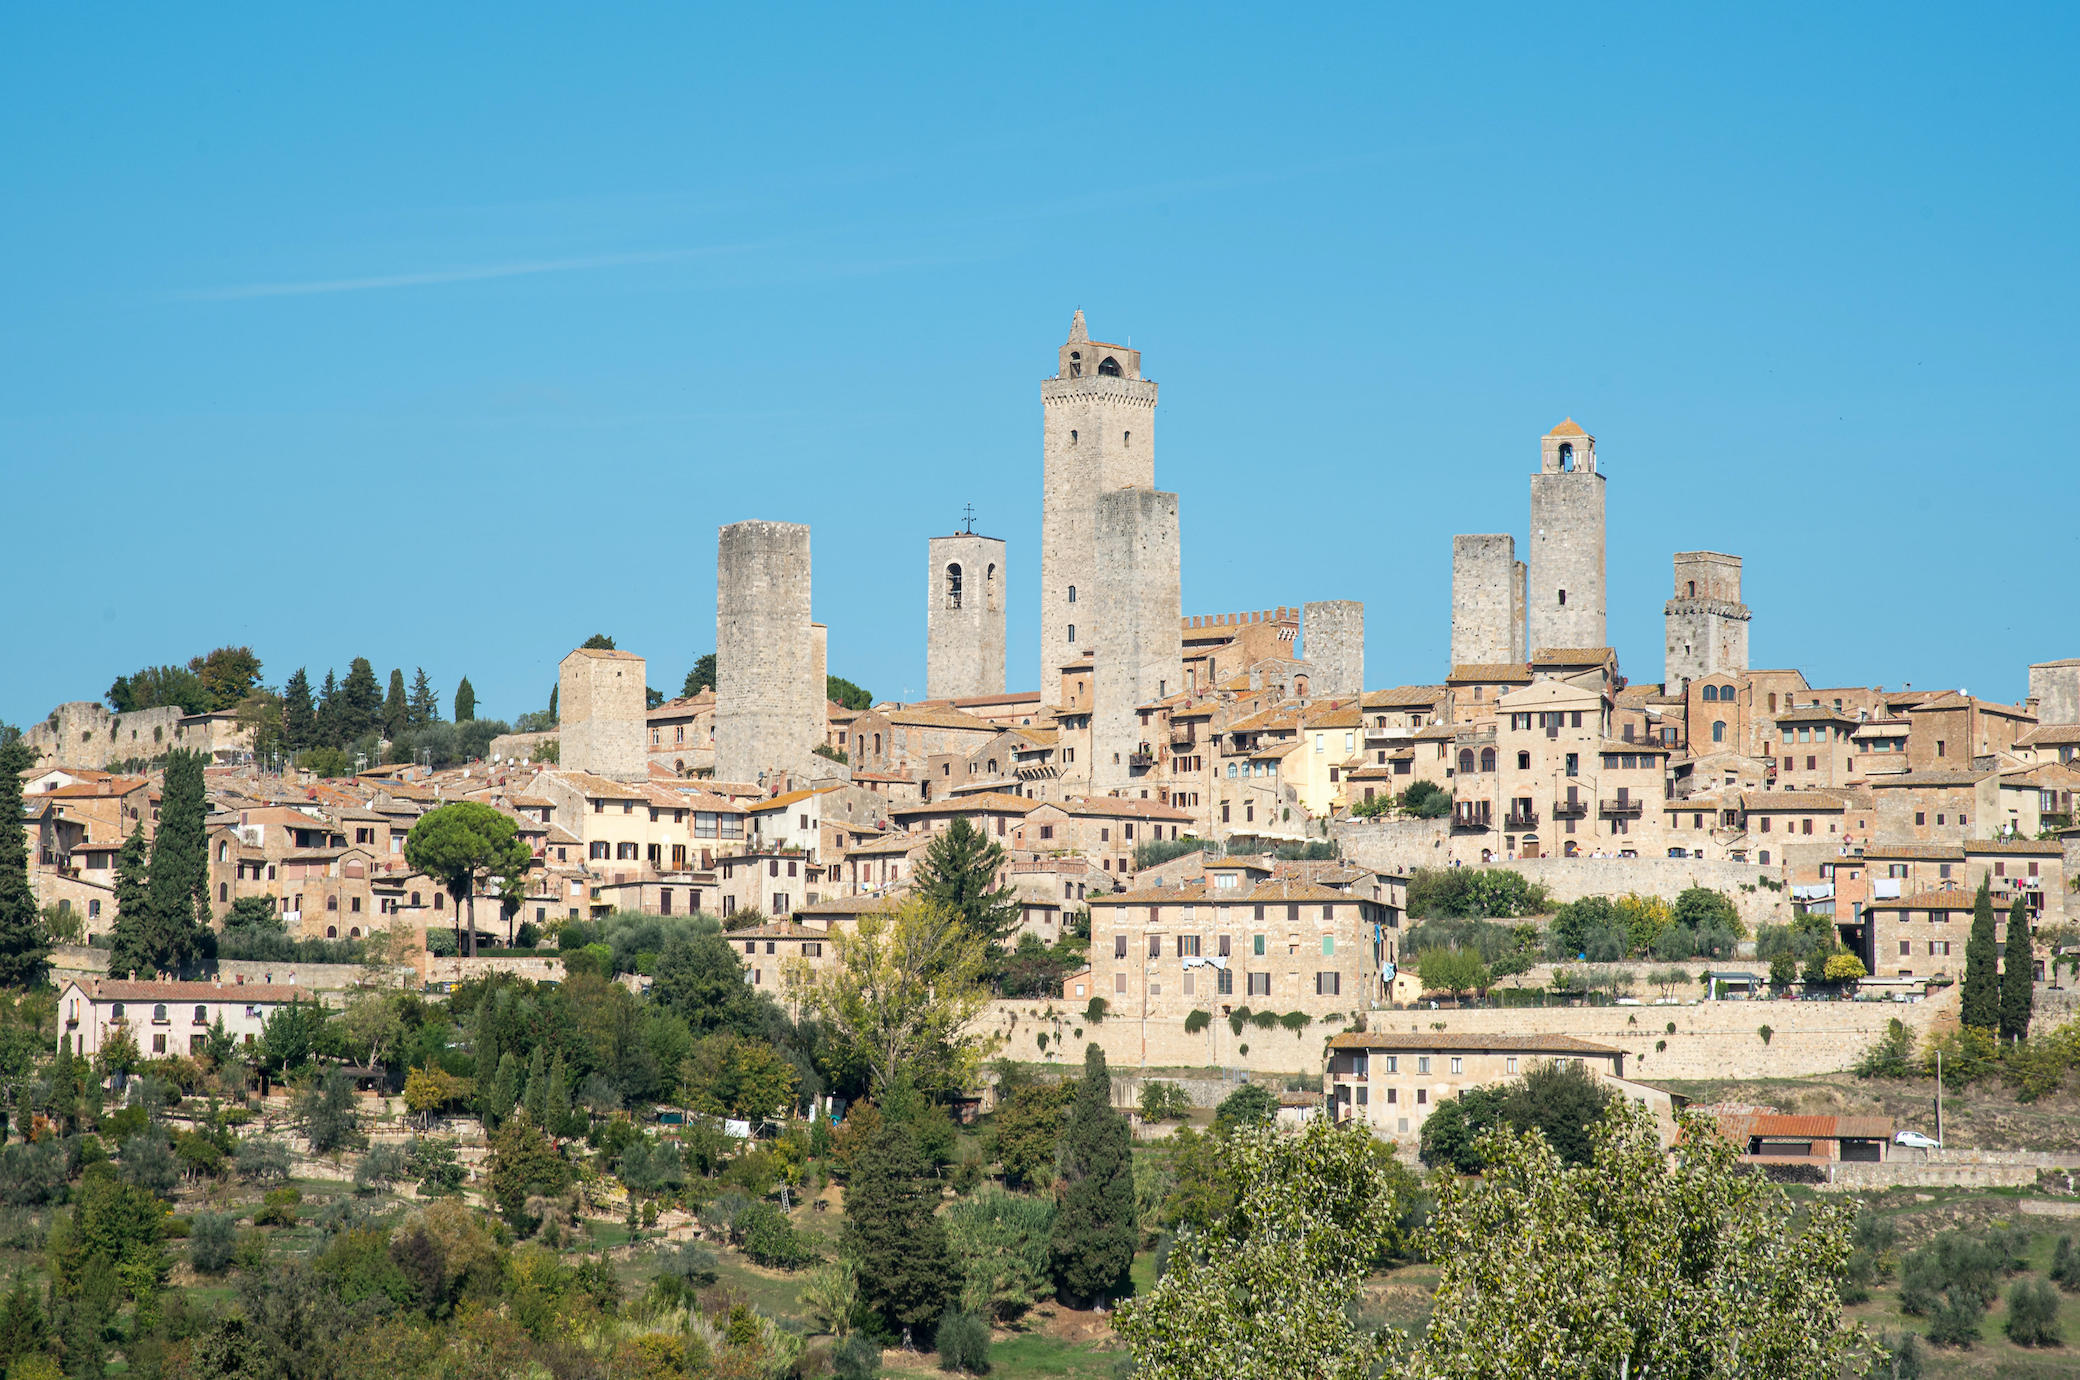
[{"x": 436, "y": 277}]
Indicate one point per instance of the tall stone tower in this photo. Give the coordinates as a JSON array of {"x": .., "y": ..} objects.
[
  {"x": 1332, "y": 638},
  {"x": 601, "y": 703},
  {"x": 1564, "y": 600},
  {"x": 1137, "y": 616},
  {"x": 768, "y": 703},
  {"x": 1706, "y": 620},
  {"x": 964, "y": 616},
  {"x": 1487, "y": 600},
  {"x": 1098, "y": 434}
]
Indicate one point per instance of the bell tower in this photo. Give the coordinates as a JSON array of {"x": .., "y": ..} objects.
[{"x": 1564, "y": 593}]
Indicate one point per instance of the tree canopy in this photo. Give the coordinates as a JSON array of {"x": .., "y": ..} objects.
[
  {"x": 1981, "y": 999},
  {"x": 958, "y": 873},
  {"x": 24, "y": 947},
  {"x": 462, "y": 843}
]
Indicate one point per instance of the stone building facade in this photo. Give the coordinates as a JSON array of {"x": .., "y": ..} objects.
[
  {"x": 1706, "y": 621},
  {"x": 768, "y": 700},
  {"x": 1564, "y": 599},
  {"x": 964, "y": 616},
  {"x": 1139, "y": 637},
  {"x": 1098, "y": 435},
  {"x": 2054, "y": 688},
  {"x": 1487, "y": 599},
  {"x": 602, "y": 708},
  {"x": 1332, "y": 637}
]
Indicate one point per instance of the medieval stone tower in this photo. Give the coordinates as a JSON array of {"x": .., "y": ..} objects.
[
  {"x": 1707, "y": 622},
  {"x": 1487, "y": 600},
  {"x": 1564, "y": 597},
  {"x": 1332, "y": 638},
  {"x": 769, "y": 701},
  {"x": 964, "y": 616},
  {"x": 600, "y": 700},
  {"x": 1098, "y": 430},
  {"x": 1137, "y": 609}
]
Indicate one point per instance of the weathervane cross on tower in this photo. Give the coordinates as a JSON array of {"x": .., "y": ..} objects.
[{"x": 968, "y": 512}]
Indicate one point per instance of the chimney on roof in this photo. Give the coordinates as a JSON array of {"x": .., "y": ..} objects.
[{"x": 239, "y": 980}]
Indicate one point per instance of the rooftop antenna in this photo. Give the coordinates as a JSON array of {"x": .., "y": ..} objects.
[{"x": 968, "y": 514}]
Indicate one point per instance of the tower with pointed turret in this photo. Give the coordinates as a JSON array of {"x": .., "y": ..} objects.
[{"x": 1564, "y": 591}]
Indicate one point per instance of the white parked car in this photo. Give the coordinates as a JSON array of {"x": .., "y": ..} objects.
[{"x": 1914, "y": 1140}]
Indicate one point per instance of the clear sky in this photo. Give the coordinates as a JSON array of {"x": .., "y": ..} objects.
[{"x": 448, "y": 335}]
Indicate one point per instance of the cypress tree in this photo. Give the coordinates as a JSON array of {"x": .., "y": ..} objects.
[
  {"x": 2018, "y": 973},
  {"x": 537, "y": 1098},
  {"x": 299, "y": 714},
  {"x": 891, "y": 1231},
  {"x": 556, "y": 1105},
  {"x": 959, "y": 871},
  {"x": 425, "y": 707},
  {"x": 465, "y": 702},
  {"x": 177, "y": 899},
  {"x": 25, "y": 948},
  {"x": 505, "y": 1088},
  {"x": 1982, "y": 990},
  {"x": 397, "y": 711},
  {"x": 1093, "y": 1242},
  {"x": 326, "y": 726},
  {"x": 361, "y": 702},
  {"x": 127, "y": 953}
]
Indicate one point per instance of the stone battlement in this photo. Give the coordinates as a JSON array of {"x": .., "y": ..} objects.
[{"x": 1281, "y": 614}]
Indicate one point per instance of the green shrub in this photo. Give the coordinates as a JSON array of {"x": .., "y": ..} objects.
[
  {"x": 212, "y": 1240},
  {"x": 2065, "y": 1265},
  {"x": 1095, "y": 1012},
  {"x": 1239, "y": 1018},
  {"x": 1427, "y": 800},
  {"x": 962, "y": 1343},
  {"x": 1197, "y": 1022},
  {"x": 1156, "y": 852},
  {"x": 1249, "y": 1105},
  {"x": 1891, "y": 1055},
  {"x": 278, "y": 1208},
  {"x": 770, "y": 1239},
  {"x": 1163, "y": 1101},
  {"x": 2033, "y": 1314}
]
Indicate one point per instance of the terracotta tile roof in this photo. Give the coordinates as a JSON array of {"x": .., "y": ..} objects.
[
  {"x": 850, "y": 905},
  {"x": 938, "y": 718},
  {"x": 894, "y": 843},
  {"x": 2027, "y": 848},
  {"x": 1933, "y": 779},
  {"x": 124, "y": 989},
  {"x": 1490, "y": 672},
  {"x": 781, "y": 929},
  {"x": 1275, "y": 889},
  {"x": 991, "y": 801},
  {"x": 781, "y": 802},
  {"x": 1525, "y": 1044},
  {"x": 1766, "y": 801},
  {"x": 1933, "y": 852},
  {"x": 1626, "y": 745},
  {"x": 1571, "y": 656},
  {"x": 1742, "y": 1126},
  {"x": 1345, "y": 717},
  {"x": 1567, "y": 428},
  {"x": 1403, "y": 696},
  {"x": 586, "y": 784},
  {"x": 1112, "y": 807},
  {"x": 604, "y": 654},
  {"x": 2049, "y": 735},
  {"x": 1952, "y": 898}
]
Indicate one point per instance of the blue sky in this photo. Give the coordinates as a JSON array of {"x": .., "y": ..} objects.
[{"x": 449, "y": 336}]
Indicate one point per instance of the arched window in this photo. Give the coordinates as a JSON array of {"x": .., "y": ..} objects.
[
  {"x": 1487, "y": 759},
  {"x": 1693, "y": 589},
  {"x": 415, "y": 898},
  {"x": 1711, "y": 692},
  {"x": 1466, "y": 761},
  {"x": 354, "y": 933},
  {"x": 953, "y": 586},
  {"x": 1109, "y": 367},
  {"x": 332, "y": 931},
  {"x": 1072, "y": 632},
  {"x": 1075, "y": 372},
  {"x": 1072, "y": 594},
  {"x": 332, "y": 903},
  {"x": 159, "y": 1012},
  {"x": 202, "y": 1015},
  {"x": 1567, "y": 455},
  {"x": 115, "y": 1013},
  {"x": 1718, "y": 730}
]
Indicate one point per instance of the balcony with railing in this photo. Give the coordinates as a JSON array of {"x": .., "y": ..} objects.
[
  {"x": 1570, "y": 809},
  {"x": 1142, "y": 758},
  {"x": 1624, "y": 806},
  {"x": 1473, "y": 814},
  {"x": 1520, "y": 819}
]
